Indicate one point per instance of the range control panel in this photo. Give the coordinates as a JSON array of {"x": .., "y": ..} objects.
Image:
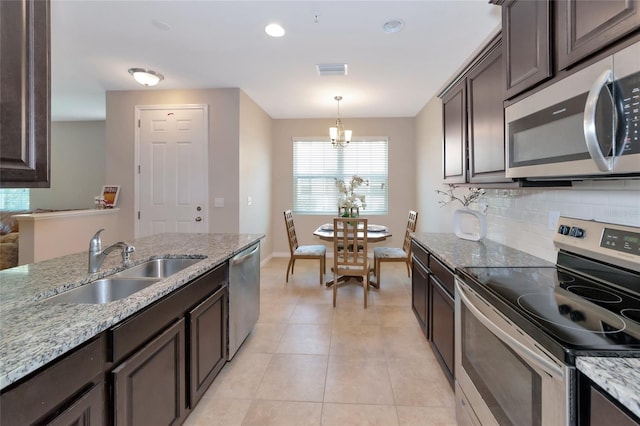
[{"x": 612, "y": 243}]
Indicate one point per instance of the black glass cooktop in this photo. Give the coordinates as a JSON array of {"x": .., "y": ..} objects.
[{"x": 564, "y": 311}]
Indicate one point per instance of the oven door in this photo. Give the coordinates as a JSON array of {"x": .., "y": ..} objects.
[{"x": 502, "y": 376}]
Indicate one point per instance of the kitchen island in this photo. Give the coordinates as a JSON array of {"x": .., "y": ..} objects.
[{"x": 34, "y": 332}]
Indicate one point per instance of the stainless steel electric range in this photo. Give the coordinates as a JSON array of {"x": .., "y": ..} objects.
[{"x": 519, "y": 330}]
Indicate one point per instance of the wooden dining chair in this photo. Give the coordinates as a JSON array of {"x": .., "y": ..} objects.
[
  {"x": 350, "y": 253},
  {"x": 395, "y": 254},
  {"x": 318, "y": 251},
  {"x": 348, "y": 211}
]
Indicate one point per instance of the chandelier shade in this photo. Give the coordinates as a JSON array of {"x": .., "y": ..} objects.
[{"x": 338, "y": 134}]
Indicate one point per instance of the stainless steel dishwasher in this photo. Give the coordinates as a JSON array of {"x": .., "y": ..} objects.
[{"x": 244, "y": 296}]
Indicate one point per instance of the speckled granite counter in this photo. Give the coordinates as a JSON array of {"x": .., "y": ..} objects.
[
  {"x": 618, "y": 376},
  {"x": 457, "y": 253},
  {"x": 33, "y": 332}
]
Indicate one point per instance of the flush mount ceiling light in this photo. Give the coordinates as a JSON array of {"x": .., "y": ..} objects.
[
  {"x": 393, "y": 26},
  {"x": 146, "y": 77},
  {"x": 274, "y": 30},
  {"x": 339, "y": 136}
]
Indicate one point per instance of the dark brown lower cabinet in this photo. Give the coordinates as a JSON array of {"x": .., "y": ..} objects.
[
  {"x": 442, "y": 327},
  {"x": 88, "y": 410},
  {"x": 419, "y": 294},
  {"x": 70, "y": 391},
  {"x": 207, "y": 343},
  {"x": 149, "y": 386}
]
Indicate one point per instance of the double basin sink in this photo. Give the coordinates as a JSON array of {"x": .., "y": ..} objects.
[{"x": 124, "y": 283}]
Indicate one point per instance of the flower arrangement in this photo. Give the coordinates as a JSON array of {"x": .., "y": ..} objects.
[
  {"x": 348, "y": 195},
  {"x": 474, "y": 195}
]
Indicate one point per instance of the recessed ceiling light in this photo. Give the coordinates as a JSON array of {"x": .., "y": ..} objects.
[
  {"x": 274, "y": 30},
  {"x": 393, "y": 26}
]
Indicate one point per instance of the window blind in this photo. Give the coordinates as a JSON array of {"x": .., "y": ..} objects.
[
  {"x": 14, "y": 199},
  {"x": 316, "y": 165}
]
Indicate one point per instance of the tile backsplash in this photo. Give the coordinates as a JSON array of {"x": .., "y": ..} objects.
[{"x": 526, "y": 219}]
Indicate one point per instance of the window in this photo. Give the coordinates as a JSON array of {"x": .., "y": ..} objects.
[
  {"x": 14, "y": 199},
  {"x": 316, "y": 165}
]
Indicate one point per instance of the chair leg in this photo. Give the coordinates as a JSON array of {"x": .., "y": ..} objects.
[
  {"x": 321, "y": 269},
  {"x": 377, "y": 271},
  {"x": 366, "y": 290},
  {"x": 289, "y": 268},
  {"x": 335, "y": 289},
  {"x": 408, "y": 268}
]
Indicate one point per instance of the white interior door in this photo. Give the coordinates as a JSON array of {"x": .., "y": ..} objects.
[{"x": 173, "y": 169}]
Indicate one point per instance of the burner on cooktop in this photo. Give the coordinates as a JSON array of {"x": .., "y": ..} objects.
[
  {"x": 567, "y": 313},
  {"x": 595, "y": 294},
  {"x": 631, "y": 313}
]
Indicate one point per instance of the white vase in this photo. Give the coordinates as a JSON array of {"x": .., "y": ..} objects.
[{"x": 466, "y": 229}]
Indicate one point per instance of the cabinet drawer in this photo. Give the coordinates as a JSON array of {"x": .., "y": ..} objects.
[
  {"x": 419, "y": 253},
  {"x": 142, "y": 327},
  {"x": 54, "y": 387},
  {"x": 443, "y": 273}
]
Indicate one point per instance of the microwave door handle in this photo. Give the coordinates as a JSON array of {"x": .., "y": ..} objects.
[
  {"x": 589, "y": 123},
  {"x": 522, "y": 350}
]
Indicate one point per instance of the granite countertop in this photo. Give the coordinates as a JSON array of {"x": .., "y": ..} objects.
[
  {"x": 457, "y": 253},
  {"x": 620, "y": 377},
  {"x": 34, "y": 332}
]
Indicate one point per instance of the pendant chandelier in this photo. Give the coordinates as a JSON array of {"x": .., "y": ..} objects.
[{"x": 339, "y": 136}]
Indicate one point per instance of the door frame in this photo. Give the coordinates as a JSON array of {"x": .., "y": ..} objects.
[{"x": 138, "y": 109}]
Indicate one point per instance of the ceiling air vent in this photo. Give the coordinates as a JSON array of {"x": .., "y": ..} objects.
[{"x": 332, "y": 69}]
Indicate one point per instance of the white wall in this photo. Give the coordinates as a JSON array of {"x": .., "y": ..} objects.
[
  {"x": 255, "y": 172},
  {"x": 402, "y": 181},
  {"x": 77, "y": 166},
  {"x": 518, "y": 218},
  {"x": 239, "y": 140}
]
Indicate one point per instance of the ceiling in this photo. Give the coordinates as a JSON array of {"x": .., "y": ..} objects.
[{"x": 222, "y": 44}]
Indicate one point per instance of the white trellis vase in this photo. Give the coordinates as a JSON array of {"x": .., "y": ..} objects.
[{"x": 465, "y": 228}]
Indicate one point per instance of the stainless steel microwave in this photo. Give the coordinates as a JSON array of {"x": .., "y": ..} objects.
[{"x": 586, "y": 125}]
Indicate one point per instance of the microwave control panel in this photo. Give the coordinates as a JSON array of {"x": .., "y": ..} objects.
[{"x": 630, "y": 93}]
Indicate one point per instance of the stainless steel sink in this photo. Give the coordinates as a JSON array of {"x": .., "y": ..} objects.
[
  {"x": 103, "y": 291},
  {"x": 157, "y": 268}
]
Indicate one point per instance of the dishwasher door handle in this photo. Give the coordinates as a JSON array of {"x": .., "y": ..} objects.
[{"x": 241, "y": 257}]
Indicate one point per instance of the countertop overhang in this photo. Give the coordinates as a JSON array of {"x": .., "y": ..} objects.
[{"x": 34, "y": 332}]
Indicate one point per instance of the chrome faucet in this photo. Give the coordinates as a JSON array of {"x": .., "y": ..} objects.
[{"x": 97, "y": 255}]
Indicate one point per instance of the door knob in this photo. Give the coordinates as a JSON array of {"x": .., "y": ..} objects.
[{"x": 198, "y": 219}]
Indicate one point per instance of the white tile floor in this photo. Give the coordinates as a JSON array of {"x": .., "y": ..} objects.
[{"x": 308, "y": 363}]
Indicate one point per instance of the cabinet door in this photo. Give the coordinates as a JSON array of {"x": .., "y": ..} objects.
[
  {"x": 455, "y": 135},
  {"x": 442, "y": 328},
  {"x": 584, "y": 27},
  {"x": 208, "y": 343},
  {"x": 86, "y": 411},
  {"x": 485, "y": 90},
  {"x": 526, "y": 45},
  {"x": 24, "y": 94},
  {"x": 419, "y": 292},
  {"x": 149, "y": 386}
]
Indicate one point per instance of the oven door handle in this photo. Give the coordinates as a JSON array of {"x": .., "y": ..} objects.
[
  {"x": 551, "y": 368},
  {"x": 589, "y": 124}
]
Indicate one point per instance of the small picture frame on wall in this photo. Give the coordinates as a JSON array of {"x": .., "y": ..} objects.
[{"x": 110, "y": 195}]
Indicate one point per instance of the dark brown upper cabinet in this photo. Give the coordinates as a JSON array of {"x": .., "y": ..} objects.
[
  {"x": 24, "y": 94},
  {"x": 473, "y": 121},
  {"x": 455, "y": 134},
  {"x": 585, "y": 26},
  {"x": 485, "y": 111},
  {"x": 526, "y": 44}
]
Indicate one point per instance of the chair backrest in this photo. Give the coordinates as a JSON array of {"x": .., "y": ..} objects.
[
  {"x": 411, "y": 227},
  {"x": 291, "y": 231},
  {"x": 350, "y": 246},
  {"x": 348, "y": 211}
]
